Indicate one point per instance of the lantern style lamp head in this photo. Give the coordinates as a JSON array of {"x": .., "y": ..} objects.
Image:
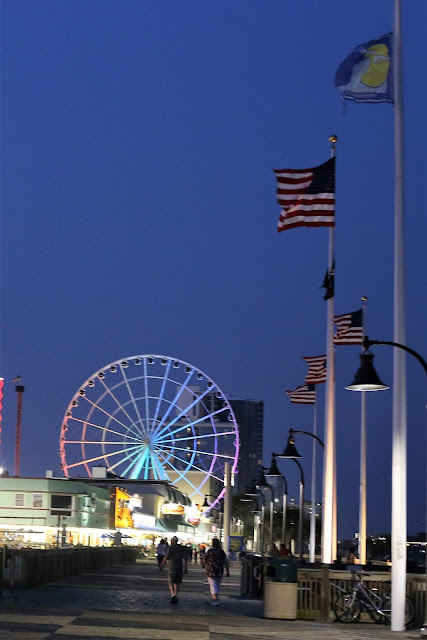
[
  {"x": 273, "y": 470},
  {"x": 366, "y": 378},
  {"x": 290, "y": 450},
  {"x": 262, "y": 483},
  {"x": 251, "y": 492}
]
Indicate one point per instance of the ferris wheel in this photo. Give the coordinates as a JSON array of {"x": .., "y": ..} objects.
[{"x": 151, "y": 417}]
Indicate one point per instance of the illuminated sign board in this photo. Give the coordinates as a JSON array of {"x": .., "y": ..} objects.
[
  {"x": 142, "y": 520},
  {"x": 192, "y": 514},
  {"x": 172, "y": 509}
]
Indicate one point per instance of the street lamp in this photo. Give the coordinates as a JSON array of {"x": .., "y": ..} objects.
[
  {"x": 274, "y": 472},
  {"x": 252, "y": 492},
  {"x": 291, "y": 452},
  {"x": 367, "y": 379},
  {"x": 263, "y": 484},
  {"x": 301, "y": 498}
]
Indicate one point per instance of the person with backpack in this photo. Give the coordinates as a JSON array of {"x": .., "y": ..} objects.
[
  {"x": 215, "y": 561},
  {"x": 162, "y": 547}
]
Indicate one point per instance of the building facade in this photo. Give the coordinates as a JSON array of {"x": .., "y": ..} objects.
[
  {"x": 52, "y": 512},
  {"x": 250, "y": 418}
]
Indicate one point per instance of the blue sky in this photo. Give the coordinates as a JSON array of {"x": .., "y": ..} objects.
[{"x": 139, "y": 212}]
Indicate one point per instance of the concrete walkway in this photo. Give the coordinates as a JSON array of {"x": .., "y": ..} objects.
[{"x": 132, "y": 603}]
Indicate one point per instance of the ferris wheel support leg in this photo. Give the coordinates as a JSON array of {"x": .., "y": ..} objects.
[{"x": 227, "y": 506}]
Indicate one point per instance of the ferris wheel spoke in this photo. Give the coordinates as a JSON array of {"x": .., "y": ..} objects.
[
  {"x": 194, "y": 466},
  {"x": 102, "y": 442},
  {"x": 174, "y": 402},
  {"x": 200, "y": 437},
  {"x": 97, "y": 426},
  {"x": 180, "y": 474},
  {"x": 184, "y": 413},
  {"x": 135, "y": 406},
  {"x": 204, "y": 453},
  {"x": 128, "y": 457},
  {"x": 139, "y": 463},
  {"x": 96, "y": 406},
  {"x": 161, "y": 396},
  {"x": 147, "y": 410},
  {"x": 132, "y": 457},
  {"x": 162, "y": 474},
  {"x": 114, "y": 453},
  {"x": 120, "y": 406},
  {"x": 191, "y": 424}
]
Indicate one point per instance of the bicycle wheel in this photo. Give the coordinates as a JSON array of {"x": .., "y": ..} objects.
[
  {"x": 347, "y": 608},
  {"x": 409, "y": 609}
]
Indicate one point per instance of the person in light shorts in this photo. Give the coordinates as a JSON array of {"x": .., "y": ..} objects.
[{"x": 215, "y": 563}]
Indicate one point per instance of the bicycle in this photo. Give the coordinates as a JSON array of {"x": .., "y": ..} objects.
[{"x": 349, "y": 605}]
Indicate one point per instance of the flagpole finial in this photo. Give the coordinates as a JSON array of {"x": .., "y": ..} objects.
[{"x": 333, "y": 139}]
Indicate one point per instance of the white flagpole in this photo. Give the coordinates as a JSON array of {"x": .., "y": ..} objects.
[
  {"x": 362, "y": 486},
  {"x": 329, "y": 536},
  {"x": 399, "y": 512},
  {"x": 313, "y": 485}
]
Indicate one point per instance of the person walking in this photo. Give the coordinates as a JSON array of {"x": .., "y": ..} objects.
[
  {"x": 161, "y": 552},
  {"x": 176, "y": 559},
  {"x": 351, "y": 556},
  {"x": 215, "y": 561}
]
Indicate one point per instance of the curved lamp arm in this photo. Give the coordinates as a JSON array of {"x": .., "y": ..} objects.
[
  {"x": 367, "y": 343},
  {"x": 300, "y": 468},
  {"x": 292, "y": 431}
]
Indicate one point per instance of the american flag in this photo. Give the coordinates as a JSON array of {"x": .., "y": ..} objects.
[
  {"x": 307, "y": 196},
  {"x": 304, "y": 394},
  {"x": 350, "y": 328},
  {"x": 317, "y": 371}
]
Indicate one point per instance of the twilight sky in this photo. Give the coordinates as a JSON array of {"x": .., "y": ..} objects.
[{"x": 139, "y": 213}]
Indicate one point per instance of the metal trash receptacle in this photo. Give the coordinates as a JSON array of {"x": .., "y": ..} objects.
[
  {"x": 251, "y": 576},
  {"x": 280, "y": 589}
]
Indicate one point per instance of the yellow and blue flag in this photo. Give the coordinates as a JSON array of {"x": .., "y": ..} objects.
[{"x": 366, "y": 75}]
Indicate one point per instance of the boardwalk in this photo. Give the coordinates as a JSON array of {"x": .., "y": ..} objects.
[{"x": 132, "y": 603}]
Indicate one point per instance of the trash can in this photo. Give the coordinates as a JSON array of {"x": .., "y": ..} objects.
[
  {"x": 251, "y": 576},
  {"x": 280, "y": 589}
]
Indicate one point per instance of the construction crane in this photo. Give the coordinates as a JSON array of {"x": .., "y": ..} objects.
[{"x": 20, "y": 392}]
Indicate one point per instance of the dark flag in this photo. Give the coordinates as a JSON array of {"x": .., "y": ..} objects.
[
  {"x": 307, "y": 196},
  {"x": 304, "y": 394},
  {"x": 350, "y": 328},
  {"x": 366, "y": 75},
  {"x": 329, "y": 283}
]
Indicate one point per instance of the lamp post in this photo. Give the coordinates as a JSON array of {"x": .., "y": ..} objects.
[
  {"x": 367, "y": 379},
  {"x": 291, "y": 452},
  {"x": 274, "y": 472},
  {"x": 253, "y": 492},
  {"x": 263, "y": 484},
  {"x": 301, "y": 495}
]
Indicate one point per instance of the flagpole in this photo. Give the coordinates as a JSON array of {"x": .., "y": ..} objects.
[
  {"x": 329, "y": 537},
  {"x": 362, "y": 485},
  {"x": 399, "y": 462},
  {"x": 313, "y": 486}
]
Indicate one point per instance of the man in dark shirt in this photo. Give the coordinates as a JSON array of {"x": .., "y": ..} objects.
[{"x": 175, "y": 556}]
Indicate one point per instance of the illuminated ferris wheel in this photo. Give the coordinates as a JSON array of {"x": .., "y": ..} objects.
[{"x": 151, "y": 417}]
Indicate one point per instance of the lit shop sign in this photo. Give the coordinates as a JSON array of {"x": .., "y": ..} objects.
[
  {"x": 143, "y": 520},
  {"x": 135, "y": 502},
  {"x": 192, "y": 515},
  {"x": 172, "y": 509}
]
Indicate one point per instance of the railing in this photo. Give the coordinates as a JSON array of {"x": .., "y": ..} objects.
[
  {"x": 32, "y": 567},
  {"x": 318, "y": 590}
]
